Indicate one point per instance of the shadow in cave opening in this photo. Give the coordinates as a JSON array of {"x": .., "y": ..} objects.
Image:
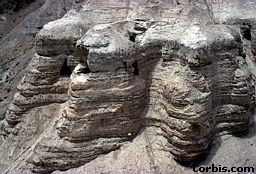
[{"x": 65, "y": 71}]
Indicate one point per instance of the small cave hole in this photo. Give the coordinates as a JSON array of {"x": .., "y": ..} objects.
[
  {"x": 246, "y": 31},
  {"x": 135, "y": 68},
  {"x": 65, "y": 70},
  {"x": 132, "y": 36}
]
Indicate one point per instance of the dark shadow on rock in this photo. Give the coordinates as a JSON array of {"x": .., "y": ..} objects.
[
  {"x": 251, "y": 132},
  {"x": 215, "y": 146}
]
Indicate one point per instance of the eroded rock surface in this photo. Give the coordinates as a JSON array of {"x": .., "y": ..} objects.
[{"x": 172, "y": 75}]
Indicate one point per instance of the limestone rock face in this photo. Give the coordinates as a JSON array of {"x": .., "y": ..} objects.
[{"x": 132, "y": 68}]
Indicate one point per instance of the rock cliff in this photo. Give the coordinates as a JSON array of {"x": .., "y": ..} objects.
[{"x": 177, "y": 73}]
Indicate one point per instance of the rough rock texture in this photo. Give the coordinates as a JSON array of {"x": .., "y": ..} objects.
[
  {"x": 13, "y": 6},
  {"x": 168, "y": 76},
  {"x": 17, "y": 36}
]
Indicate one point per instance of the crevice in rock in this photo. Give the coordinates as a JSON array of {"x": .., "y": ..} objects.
[
  {"x": 125, "y": 65},
  {"x": 245, "y": 30},
  {"x": 132, "y": 36},
  {"x": 65, "y": 70},
  {"x": 135, "y": 68}
]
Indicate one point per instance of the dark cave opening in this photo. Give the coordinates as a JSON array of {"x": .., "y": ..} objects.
[
  {"x": 246, "y": 31},
  {"x": 132, "y": 36},
  {"x": 247, "y": 34},
  {"x": 135, "y": 68},
  {"x": 65, "y": 70}
]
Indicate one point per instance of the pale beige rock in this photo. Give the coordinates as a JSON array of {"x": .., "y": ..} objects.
[{"x": 146, "y": 75}]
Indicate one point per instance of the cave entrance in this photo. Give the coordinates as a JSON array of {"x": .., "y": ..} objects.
[
  {"x": 132, "y": 36},
  {"x": 135, "y": 68},
  {"x": 246, "y": 31},
  {"x": 65, "y": 71}
]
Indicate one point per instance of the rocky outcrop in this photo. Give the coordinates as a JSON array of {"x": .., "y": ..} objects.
[
  {"x": 191, "y": 91},
  {"x": 92, "y": 111},
  {"x": 46, "y": 81},
  {"x": 196, "y": 90},
  {"x": 17, "y": 33},
  {"x": 186, "y": 81}
]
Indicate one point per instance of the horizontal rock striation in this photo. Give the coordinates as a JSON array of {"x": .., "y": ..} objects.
[
  {"x": 198, "y": 91},
  {"x": 187, "y": 81},
  {"x": 189, "y": 90},
  {"x": 120, "y": 96},
  {"x": 92, "y": 111},
  {"x": 46, "y": 80},
  {"x": 42, "y": 85}
]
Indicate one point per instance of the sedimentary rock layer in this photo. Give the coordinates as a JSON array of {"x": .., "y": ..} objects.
[{"x": 188, "y": 80}]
